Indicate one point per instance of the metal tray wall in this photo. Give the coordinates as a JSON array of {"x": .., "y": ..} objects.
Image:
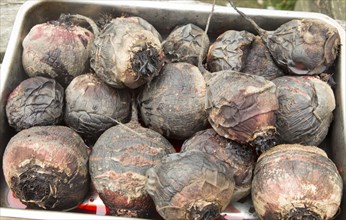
[{"x": 164, "y": 16}]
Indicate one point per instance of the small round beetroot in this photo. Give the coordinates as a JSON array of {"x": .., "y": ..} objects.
[
  {"x": 35, "y": 101},
  {"x": 184, "y": 44},
  {"x": 58, "y": 49},
  {"x": 118, "y": 164},
  {"x": 47, "y": 167},
  {"x": 92, "y": 106},
  {"x": 127, "y": 53},
  {"x": 173, "y": 103}
]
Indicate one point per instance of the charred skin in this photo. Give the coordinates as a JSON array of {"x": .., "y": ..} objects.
[
  {"x": 184, "y": 44},
  {"x": 126, "y": 54},
  {"x": 296, "y": 182},
  {"x": 305, "y": 111},
  {"x": 47, "y": 167},
  {"x": 259, "y": 61},
  {"x": 62, "y": 60},
  {"x": 173, "y": 103},
  {"x": 35, "y": 101},
  {"x": 190, "y": 185},
  {"x": 229, "y": 51},
  {"x": 92, "y": 106},
  {"x": 304, "y": 47},
  {"x": 242, "y": 107},
  {"x": 241, "y": 158},
  {"x": 118, "y": 163}
]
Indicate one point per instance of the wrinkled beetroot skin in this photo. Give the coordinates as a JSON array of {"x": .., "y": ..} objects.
[
  {"x": 47, "y": 167},
  {"x": 118, "y": 164},
  {"x": 35, "y": 101},
  {"x": 92, "y": 106},
  {"x": 305, "y": 111},
  {"x": 58, "y": 50}
]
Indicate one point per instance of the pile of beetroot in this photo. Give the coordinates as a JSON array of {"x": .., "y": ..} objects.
[{"x": 103, "y": 105}]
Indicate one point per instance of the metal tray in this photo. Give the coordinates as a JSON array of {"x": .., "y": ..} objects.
[{"x": 164, "y": 15}]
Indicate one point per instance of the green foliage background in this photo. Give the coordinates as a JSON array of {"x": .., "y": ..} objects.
[{"x": 277, "y": 4}]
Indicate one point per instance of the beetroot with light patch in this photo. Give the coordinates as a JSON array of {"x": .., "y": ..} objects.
[
  {"x": 118, "y": 164},
  {"x": 46, "y": 167},
  {"x": 293, "y": 181},
  {"x": 58, "y": 49},
  {"x": 126, "y": 53},
  {"x": 35, "y": 101},
  {"x": 92, "y": 106}
]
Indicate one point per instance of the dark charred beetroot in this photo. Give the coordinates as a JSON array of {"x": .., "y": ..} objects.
[
  {"x": 59, "y": 49},
  {"x": 35, "y": 101},
  {"x": 190, "y": 185},
  {"x": 242, "y": 107},
  {"x": 173, "y": 103},
  {"x": 241, "y": 158},
  {"x": 229, "y": 51},
  {"x": 47, "y": 167},
  {"x": 92, "y": 106},
  {"x": 305, "y": 111},
  {"x": 118, "y": 164},
  {"x": 127, "y": 53},
  {"x": 296, "y": 182},
  {"x": 301, "y": 47},
  {"x": 242, "y": 51},
  {"x": 184, "y": 44}
]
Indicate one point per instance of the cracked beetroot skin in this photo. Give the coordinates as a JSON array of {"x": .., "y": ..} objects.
[
  {"x": 305, "y": 111},
  {"x": 184, "y": 44},
  {"x": 58, "y": 49},
  {"x": 241, "y": 107},
  {"x": 191, "y": 185},
  {"x": 241, "y": 158},
  {"x": 46, "y": 167},
  {"x": 92, "y": 106},
  {"x": 118, "y": 164},
  {"x": 36, "y": 101},
  {"x": 126, "y": 53}
]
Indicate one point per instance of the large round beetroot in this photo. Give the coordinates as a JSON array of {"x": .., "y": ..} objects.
[
  {"x": 58, "y": 49},
  {"x": 173, "y": 103},
  {"x": 47, "y": 167},
  {"x": 118, "y": 164},
  {"x": 127, "y": 53},
  {"x": 92, "y": 106},
  {"x": 36, "y": 101},
  {"x": 191, "y": 185},
  {"x": 242, "y": 108}
]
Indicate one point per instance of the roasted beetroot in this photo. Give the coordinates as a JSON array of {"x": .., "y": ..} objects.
[
  {"x": 35, "y": 101},
  {"x": 301, "y": 47},
  {"x": 184, "y": 44},
  {"x": 190, "y": 185},
  {"x": 241, "y": 158},
  {"x": 242, "y": 107},
  {"x": 305, "y": 111},
  {"x": 92, "y": 106},
  {"x": 47, "y": 167},
  {"x": 118, "y": 164},
  {"x": 296, "y": 182},
  {"x": 127, "y": 53},
  {"x": 59, "y": 49},
  {"x": 173, "y": 103}
]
